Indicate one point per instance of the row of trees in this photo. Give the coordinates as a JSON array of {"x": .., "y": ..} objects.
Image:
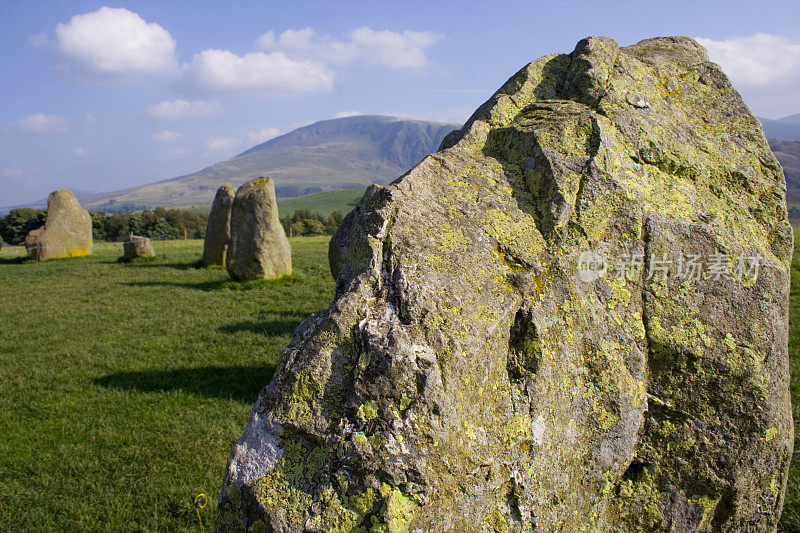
[
  {"x": 160, "y": 223},
  {"x": 18, "y": 222},
  {"x": 307, "y": 223}
]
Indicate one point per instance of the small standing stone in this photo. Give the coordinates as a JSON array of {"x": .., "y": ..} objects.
[
  {"x": 218, "y": 229},
  {"x": 258, "y": 246},
  {"x": 67, "y": 231},
  {"x": 137, "y": 246}
]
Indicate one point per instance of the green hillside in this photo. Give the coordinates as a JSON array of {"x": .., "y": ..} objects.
[{"x": 323, "y": 203}]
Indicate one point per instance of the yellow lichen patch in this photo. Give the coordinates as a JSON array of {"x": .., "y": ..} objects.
[
  {"x": 497, "y": 522},
  {"x": 747, "y": 364},
  {"x": 771, "y": 433},
  {"x": 368, "y": 410},
  {"x": 707, "y": 504},
  {"x": 78, "y": 252},
  {"x": 398, "y": 512}
]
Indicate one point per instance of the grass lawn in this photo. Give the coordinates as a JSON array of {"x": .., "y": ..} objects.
[{"x": 123, "y": 387}]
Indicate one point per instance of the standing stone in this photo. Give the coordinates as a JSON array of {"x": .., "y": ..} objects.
[
  {"x": 218, "y": 229},
  {"x": 258, "y": 247},
  {"x": 67, "y": 230},
  {"x": 136, "y": 246},
  {"x": 573, "y": 316}
]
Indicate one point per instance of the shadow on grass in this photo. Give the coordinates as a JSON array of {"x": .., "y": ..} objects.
[
  {"x": 18, "y": 260},
  {"x": 269, "y": 328},
  {"x": 240, "y": 383},
  {"x": 223, "y": 284},
  {"x": 154, "y": 263},
  {"x": 139, "y": 261}
]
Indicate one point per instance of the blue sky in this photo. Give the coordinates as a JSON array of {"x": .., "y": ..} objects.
[{"x": 98, "y": 96}]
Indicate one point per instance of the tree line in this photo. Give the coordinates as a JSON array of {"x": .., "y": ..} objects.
[
  {"x": 308, "y": 223},
  {"x": 160, "y": 223}
]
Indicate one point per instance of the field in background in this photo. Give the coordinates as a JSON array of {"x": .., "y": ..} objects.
[
  {"x": 123, "y": 387},
  {"x": 324, "y": 203}
]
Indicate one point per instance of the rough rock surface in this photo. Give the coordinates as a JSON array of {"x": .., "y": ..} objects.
[
  {"x": 466, "y": 376},
  {"x": 67, "y": 230},
  {"x": 218, "y": 229},
  {"x": 258, "y": 246},
  {"x": 137, "y": 246}
]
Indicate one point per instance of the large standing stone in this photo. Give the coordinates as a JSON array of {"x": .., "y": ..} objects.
[
  {"x": 258, "y": 247},
  {"x": 469, "y": 376},
  {"x": 218, "y": 229},
  {"x": 137, "y": 246},
  {"x": 67, "y": 231}
]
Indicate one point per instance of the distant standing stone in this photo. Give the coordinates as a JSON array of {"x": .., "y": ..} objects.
[
  {"x": 137, "y": 246},
  {"x": 258, "y": 246},
  {"x": 67, "y": 231},
  {"x": 218, "y": 229}
]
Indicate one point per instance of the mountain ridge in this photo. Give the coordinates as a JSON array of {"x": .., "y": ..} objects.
[
  {"x": 343, "y": 153},
  {"x": 782, "y": 129}
]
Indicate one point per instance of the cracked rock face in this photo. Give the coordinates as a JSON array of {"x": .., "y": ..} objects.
[
  {"x": 67, "y": 231},
  {"x": 218, "y": 228},
  {"x": 478, "y": 371}
]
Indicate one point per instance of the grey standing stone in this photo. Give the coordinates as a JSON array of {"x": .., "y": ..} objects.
[
  {"x": 519, "y": 340},
  {"x": 136, "y": 246},
  {"x": 258, "y": 246},
  {"x": 67, "y": 231},
  {"x": 218, "y": 229}
]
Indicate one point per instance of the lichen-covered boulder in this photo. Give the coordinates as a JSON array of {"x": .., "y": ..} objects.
[
  {"x": 258, "y": 247},
  {"x": 67, "y": 230},
  {"x": 137, "y": 246},
  {"x": 218, "y": 229},
  {"x": 572, "y": 317}
]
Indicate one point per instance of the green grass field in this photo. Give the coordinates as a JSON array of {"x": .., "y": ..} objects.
[
  {"x": 123, "y": 387},
  {"x": 323, "y": 203}
]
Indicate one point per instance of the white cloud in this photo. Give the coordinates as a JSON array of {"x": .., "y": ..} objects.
[
  {"x": 758, "y": 59},
  {"x": 262, "y": 135},
  {"x": 343, "y": 114},
  {"x": 166, "y": 136},
  {"x": 764, "y": 67},
  {"x": 41, "y": 123},
  {"x": 406, "y": 49},
  {"x": 182, "y": 109},
  {"x": 116, "y": 42},
  {"x": 220, "y": 144},
  {"x": 13, "y": 173},
  {"x": 223, "y": 72},
  {"x": 80, "y": 151}
]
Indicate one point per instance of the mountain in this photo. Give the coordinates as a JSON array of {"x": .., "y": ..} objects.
[
  {"x": 791, "y": 119},
  {"x": 350, "y": 152},
  {"x": 783, "y": 129},
  {"x": 788, "y": 153}
]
